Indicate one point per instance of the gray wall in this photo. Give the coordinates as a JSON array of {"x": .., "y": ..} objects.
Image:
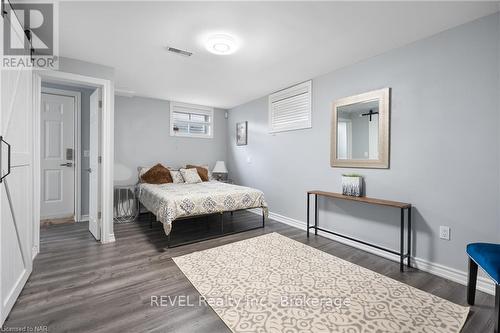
[
  {"x": 444, "y": 145},
  {"x": 85, "y": 139},
  {"x": 81, "y": 67},
  {"x": 142, "y": 138}
]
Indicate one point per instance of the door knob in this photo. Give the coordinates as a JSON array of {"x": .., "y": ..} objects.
[
  {"x": 69, "y": 164},
  {"x": 89, "y": 170}
]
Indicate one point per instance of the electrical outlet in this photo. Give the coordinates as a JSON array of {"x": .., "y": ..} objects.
[{"x": 444, "y": 232}]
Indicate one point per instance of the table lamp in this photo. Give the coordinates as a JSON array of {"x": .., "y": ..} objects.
[{"x": 219, "y": 170}]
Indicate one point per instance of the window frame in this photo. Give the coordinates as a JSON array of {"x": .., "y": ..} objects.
[
  {"x": 285, "y": 94},
  {"x": 192, "y": 109}
]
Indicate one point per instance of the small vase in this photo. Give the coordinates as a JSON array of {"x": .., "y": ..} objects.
[{"x": 352, "y": 185}]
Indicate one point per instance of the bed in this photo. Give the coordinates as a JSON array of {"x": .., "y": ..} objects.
[{"x": 172, "y": 202}]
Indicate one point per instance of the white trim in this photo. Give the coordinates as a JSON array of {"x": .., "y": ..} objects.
[
  {"x": 34, "y": 252},
  {"x": 107, "y": 235},
  {"x": 483, "y": 284},
  {"x": 77, "y": 141},
  {"x": 192, "y": 108},
  {"x": 37, "y": 94},
  {"x": 196, "y": 136}
]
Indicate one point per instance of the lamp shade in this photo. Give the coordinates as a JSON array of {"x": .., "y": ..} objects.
[{"x": 220, "y": 167}]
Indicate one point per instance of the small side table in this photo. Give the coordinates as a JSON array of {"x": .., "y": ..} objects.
[
  {"x": 125, "y": 204},
  {"x": 227, "y": 181}
]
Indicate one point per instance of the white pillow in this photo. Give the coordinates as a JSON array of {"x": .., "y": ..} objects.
[
  {"x": 190, "y": 176},
  {"x": 176, "y": 176}
]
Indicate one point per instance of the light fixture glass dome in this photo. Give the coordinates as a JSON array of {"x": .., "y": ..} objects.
[{"x": 221, "y": 44}]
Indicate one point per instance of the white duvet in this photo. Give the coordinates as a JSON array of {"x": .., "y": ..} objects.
[{"x": 169, "y": 202}]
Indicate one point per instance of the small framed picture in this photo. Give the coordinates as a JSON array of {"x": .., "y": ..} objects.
[{"x": 241, "y": 133}]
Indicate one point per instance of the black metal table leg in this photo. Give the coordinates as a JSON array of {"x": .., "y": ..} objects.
[
  {"x": 408, "y": 252},
  {"x": 263, "y": 218},
  {"x": 315, "y": 214},
  {"x": 308, "y": 215},
  {"x": 222, "y": 223},
  {"x": 401, "y": 241}
]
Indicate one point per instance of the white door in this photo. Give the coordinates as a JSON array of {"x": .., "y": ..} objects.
[
  {"x": 94, "y": 191},
  {"x": 16, "y": 188},
  {"x": 57, "y": 156}
]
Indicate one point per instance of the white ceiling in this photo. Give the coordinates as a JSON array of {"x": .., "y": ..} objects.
[{"x": 283, "y": 42}]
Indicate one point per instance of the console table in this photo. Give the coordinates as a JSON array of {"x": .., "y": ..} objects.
[{"x": 395, "y": 204}]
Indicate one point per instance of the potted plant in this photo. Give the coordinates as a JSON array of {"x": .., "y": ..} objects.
[{"x": 352, "y": 184}]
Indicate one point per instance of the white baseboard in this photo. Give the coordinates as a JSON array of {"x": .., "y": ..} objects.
[
  {"x": 110, "y": 239},
  {"x": 57, "y": 217},
  {"x": 34, "y": 252},
  {"x": 483, "y": 284}
]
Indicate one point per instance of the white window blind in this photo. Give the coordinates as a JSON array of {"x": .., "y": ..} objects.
[
  {"x": 191, "y": 120},
  {"x": 290, "y": 109}
]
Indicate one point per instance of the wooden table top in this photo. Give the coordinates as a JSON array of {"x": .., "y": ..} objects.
[{"x": 368, "y": 200}]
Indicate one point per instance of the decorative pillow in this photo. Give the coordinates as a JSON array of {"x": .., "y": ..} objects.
[
  {"x": 210, "y": 175},
  {"x": 202, "y": 171},
  {"x": 142, "y": 170},
  {"x": 157, "y": 175},
  {"x": 190, "y": 176},
  {"x": 176, "y": 176}
]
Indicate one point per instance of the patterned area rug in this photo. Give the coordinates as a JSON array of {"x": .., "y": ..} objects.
[{"x": 272, "y": 283}]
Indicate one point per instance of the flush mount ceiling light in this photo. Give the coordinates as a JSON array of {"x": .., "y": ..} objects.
[{"x": 221, "y": 44}]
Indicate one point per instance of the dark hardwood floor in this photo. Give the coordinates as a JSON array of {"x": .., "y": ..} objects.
[{"x": 79, "y": 285}]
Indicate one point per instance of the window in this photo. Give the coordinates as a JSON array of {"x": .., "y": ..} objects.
[
  {"x": 344, "y": 139},
  {"x": 290, "y": 109},
  {"x": 191, "y": 120}
]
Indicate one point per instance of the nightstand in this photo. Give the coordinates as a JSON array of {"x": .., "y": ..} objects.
[
  {"x": 227, "y": 181},
  {"x": 125, "y": 204}
]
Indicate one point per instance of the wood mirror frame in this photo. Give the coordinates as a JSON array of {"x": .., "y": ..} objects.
[{"x": 383, "y": 96}]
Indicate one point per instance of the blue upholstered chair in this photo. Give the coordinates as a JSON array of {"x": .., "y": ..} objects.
[{"x": 487, "y": 256}]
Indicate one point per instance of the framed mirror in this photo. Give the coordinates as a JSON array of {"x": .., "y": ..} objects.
[{"x": 360, "y": 130}]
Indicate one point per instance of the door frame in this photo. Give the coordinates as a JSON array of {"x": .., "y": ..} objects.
[
  {"x": 107, "y": 233},
  {"x": 77, "y": 141}
]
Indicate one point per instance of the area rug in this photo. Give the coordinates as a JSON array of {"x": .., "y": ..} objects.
[{"x": 272, "y": 283}]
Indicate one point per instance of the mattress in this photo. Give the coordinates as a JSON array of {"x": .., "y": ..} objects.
[{"x": 169, "y": 202}]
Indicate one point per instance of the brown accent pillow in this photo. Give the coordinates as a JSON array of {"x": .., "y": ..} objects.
[
  {"x": 202, "y": 172},
  {"x": 157, "y": 175}
]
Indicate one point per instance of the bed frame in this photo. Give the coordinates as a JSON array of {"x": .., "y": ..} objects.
[{"x": 211, "y": 237}]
